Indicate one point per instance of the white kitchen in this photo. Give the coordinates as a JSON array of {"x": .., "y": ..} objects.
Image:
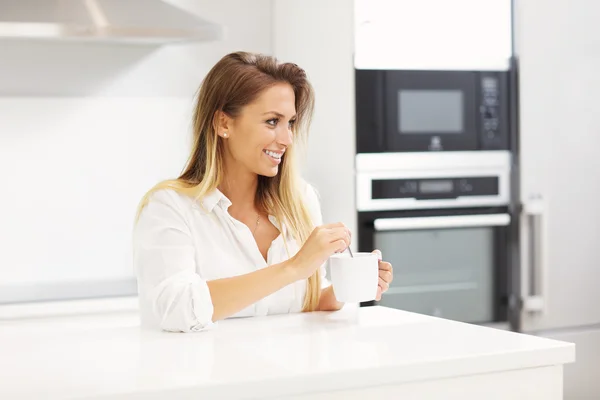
[{"x": 457, "y": 137}]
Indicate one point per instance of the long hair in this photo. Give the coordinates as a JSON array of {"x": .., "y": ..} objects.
[{"x": 235, "y": 81}]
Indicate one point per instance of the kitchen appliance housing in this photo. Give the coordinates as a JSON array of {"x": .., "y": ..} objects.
[
  {"x": 431, "y": 110},
  {"x": 443, "y": 221}
]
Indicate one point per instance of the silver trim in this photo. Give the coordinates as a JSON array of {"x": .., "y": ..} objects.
[
  {"x": 431, "y": 165},
  {"x": 433, "y": 161},
  {"x": 445, "y": 222},
  {"x": 441, "y": 287},
  {"x": 115, "y": 21},
  {"x": 58, "y": 291},
  {"x": 45, "y": 309}
]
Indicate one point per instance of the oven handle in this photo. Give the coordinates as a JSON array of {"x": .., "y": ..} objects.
[
  {"x": 535, "y": 281},
  {"x": 447, "y": 221}
]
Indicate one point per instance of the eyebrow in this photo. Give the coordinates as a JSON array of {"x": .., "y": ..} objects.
[{"x": 280, "y": 115}]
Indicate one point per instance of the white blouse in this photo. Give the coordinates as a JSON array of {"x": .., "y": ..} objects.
[{"x": 178, "y": 246}]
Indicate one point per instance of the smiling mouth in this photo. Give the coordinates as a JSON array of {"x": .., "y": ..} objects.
[{"x": 273, "y": 154}]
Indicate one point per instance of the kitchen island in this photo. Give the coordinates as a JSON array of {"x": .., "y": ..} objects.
[{"x": 371, "y": 352}]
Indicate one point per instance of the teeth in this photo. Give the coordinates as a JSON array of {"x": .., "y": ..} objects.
[{"x": 273, "y": 154}]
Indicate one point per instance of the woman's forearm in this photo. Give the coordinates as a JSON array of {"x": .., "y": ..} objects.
[
  {"x": 231, "y": 295},
  {"x": 328, "y": 301}
]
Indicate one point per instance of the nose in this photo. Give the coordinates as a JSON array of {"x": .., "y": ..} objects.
[{"x": 284, "y": 137}]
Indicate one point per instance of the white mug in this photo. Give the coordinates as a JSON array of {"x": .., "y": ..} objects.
[{"x": 354, "y": 279}]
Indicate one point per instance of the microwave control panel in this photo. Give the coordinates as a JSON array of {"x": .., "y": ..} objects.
[{"x": 490, "y": 129}]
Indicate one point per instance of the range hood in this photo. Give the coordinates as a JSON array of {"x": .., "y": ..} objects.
[{"x": 117, "y": 21}]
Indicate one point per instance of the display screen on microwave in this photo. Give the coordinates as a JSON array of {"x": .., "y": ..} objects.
[{"x": 430, "y": 111}]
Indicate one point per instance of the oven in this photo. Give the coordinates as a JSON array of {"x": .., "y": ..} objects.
[
  {"x": 443, "y": 221},
  {"x": 431, "y": 111}
]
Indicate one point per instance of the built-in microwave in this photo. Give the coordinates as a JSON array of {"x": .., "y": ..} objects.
[{"x": 431, "y": 111}]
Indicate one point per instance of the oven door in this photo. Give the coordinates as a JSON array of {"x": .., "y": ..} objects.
[{"x": 451, "y": 265}]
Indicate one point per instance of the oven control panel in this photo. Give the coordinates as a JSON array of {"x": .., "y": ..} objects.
[
  {"x": 411, "y": 181},
  {"x": 428, "y": 189}
]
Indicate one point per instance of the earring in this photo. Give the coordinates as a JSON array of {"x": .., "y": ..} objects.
[{"x": 225, "y": 134}]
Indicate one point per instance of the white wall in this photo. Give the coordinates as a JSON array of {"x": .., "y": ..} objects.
[
  {"x": 318, "y": 36},
  {"x": 84, "y": 132}
]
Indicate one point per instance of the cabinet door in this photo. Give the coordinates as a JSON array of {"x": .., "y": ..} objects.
[
  {"x": 581, "y": 377},
  {"x": 558, "y": 48}
]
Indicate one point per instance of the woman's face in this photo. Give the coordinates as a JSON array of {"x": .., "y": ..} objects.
[{"x": 258, "y": 138}]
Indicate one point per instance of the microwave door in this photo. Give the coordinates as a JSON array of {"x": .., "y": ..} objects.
[{"x": 431, "y": 111}]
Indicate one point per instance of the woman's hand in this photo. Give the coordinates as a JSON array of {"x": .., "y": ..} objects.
[
  {"x": 323, "y": 242},
  {"x": 386, "y": 276}
]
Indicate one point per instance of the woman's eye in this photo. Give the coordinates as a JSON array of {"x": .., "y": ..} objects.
[{"x": 274, "y": 121}]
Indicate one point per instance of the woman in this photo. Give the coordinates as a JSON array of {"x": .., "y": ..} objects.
[{"x": 239, "y": 233}]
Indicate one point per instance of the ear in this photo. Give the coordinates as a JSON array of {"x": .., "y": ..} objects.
[{"x": 222, "y": 123}]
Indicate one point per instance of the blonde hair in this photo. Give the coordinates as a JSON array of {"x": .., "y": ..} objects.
[{"x": 235, "y": 81}]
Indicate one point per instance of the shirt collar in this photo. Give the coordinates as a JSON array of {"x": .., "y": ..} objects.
[{"x": 214, "y": 198}]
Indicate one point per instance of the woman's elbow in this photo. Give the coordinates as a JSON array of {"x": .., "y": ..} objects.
[{"x": 183, "y": 308}]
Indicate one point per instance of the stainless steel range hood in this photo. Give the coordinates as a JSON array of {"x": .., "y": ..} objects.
[{"x": 118, "y": 21}]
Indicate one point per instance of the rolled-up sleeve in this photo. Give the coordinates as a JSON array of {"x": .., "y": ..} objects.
[
  {"x": 171, "y": 292},
  {"x": 314, "y": 208}
]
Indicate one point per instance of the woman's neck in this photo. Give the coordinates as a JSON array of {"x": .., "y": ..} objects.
[{"x": 240, "y": 188}]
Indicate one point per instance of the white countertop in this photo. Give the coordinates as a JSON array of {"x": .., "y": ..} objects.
[{"x": 111, "y": 357}]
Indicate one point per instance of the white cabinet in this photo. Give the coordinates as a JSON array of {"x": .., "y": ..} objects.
[
  {"x": 432, "y": 34},
  {"x": 581, "y": 377},
  {"x": 557, "y": 44}
]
